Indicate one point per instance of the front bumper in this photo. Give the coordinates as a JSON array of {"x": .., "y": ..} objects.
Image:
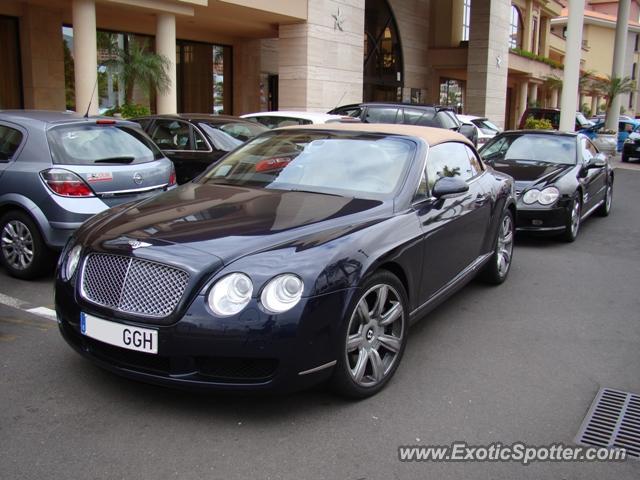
[
  {"x": 551, "y": 220},
  {"x": 252, "y": 351},
  {"x": 631, "y": 151}
]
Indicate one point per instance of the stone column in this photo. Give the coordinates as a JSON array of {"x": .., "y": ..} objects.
[
  {"x": 554, "y": 98},
  {"x": 488, "y": 59},
  {"x": 320, "y": 62},
  {"x": 619, "y": 50},
  {"x": 536, "y": 38},
  {"x": 568, "y": 105},
  {"x": 545, "y": 32},
  {"x": 594, "y": 104},
  {"x": 167, "y": 101},
  {"x": 85, "y": 55},
  {"x": 533, "y": 94},
  {"x": 528, "y": 24},
  {"x": 523, "y": 93}
]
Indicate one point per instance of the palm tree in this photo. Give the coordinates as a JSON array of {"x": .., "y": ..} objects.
[
  {"x": 610, "y": 88},
  {"x": 138, "y": 66}
]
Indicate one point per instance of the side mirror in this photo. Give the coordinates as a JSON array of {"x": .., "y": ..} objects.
[
  {"x": 470, "y": 132},
  {"x": 597, "y": 161},
  {"x": 449, "y": 186}
]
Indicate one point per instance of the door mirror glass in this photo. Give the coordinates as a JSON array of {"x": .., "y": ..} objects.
[
  {"x": 449, "y": 186},
  {"x": 599, "y": 160},
  {"x": 470, "y": 132}
]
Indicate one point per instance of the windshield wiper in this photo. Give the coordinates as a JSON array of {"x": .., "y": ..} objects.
[
  {"x": 311, "y": 191},
  {"x": 115, "y": 160}
]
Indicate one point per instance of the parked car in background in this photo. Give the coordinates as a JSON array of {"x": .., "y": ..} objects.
[
  {"x": 302, "y": 257},
  {"x": 561, "y": 178},
  {"x": 631, "y": 146},
  {"x": 196, "y": 141},
  {"x": 59, "y": 169},
  {"x": 408, "y": 114},
  {"x": 485, "y": 128},
  {"x": 273, "y": 120},
  {"x": 603, "y": 116},
  {"x": 553, "y": 115},
  {"x": 625, "y": 127}
]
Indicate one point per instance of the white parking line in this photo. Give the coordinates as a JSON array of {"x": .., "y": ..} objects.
[{"x": 42, "y": 312}]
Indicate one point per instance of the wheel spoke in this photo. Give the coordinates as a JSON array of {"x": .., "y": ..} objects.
[
  {"x": 363, "y": 311},
  {"x": 393, "y": 314},
  {"x": 353, "y": 342},
  {"x": 390, "y": 342},
  {"x": 377, "y": 367},
  {"x": 361, "y": 366},
  {"x": 381, "y": 301}
]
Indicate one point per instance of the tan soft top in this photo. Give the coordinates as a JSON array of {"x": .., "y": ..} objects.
[{"x": 432, "y": 136}]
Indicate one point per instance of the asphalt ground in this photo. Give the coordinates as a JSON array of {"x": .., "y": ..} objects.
[{"x": 518, "y": 362}]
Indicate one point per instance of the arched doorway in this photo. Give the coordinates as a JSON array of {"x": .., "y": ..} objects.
[{"x": 383, "y": 64}]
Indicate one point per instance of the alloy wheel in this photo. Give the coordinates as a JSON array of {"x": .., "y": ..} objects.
[
  {"x": 609, "y": 197},
  {"x": 17, "y": 245},
  {"x": 505, "y": 245},
  {"x": 575, "y": 218},
  {"x": 375, "y": 335}
]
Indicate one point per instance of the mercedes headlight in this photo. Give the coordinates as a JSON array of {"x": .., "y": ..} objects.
[
  {"x": 282, "y": 293},
  {"x": 531, "y": 196},
  {"x": 230, "y": 294},
  {"x": 548, "y": 196},
  {"x": 73, "y": 258}
]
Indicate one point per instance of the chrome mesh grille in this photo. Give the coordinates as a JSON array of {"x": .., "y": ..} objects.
[{"x": 132, "y": 285}]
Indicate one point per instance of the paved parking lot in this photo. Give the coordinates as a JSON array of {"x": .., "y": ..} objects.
[{"x": 520, "y": 362}]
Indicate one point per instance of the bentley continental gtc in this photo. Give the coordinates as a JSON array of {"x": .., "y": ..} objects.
[{"x": 301, "y": 257}]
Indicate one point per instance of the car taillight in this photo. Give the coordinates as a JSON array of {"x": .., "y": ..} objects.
[
  {"x": 172, "y": 177},
  {"x": 65, "y": 183}
]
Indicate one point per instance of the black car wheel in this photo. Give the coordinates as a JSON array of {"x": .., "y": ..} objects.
[
  {"x": 605, "y": 208},
  {"x": 497, "y": 269},
  {"x": 572, "y": 222},
  {"x": 373, "y": 337},
  {"x": 624, "y": 158},
  {"x": 23, "y": 252}
]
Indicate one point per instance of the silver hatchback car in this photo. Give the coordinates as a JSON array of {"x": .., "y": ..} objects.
[{"x": 59, "y": 169}]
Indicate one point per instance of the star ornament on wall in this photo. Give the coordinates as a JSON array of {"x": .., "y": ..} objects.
[{"x": 338, "y": 20}]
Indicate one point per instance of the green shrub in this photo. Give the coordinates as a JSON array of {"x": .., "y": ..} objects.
[
  {"x": 538, "y": 124},
  {"x": 129, "y": 110}
]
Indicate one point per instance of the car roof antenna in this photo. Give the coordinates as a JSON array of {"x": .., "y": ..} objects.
[
  {"x": 101, "y": 69},
  {"x": 340, "y": 101}
]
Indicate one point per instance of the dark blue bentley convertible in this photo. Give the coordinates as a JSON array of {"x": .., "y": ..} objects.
[{"x": 301, "y": 257}]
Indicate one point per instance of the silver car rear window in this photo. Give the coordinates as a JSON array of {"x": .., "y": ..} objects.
[{"x": 100, "y": 144}]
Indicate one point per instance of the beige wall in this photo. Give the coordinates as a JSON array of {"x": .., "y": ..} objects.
[
  {"x": 320, "y": 66},
  {"x": 43, "y": 66}
]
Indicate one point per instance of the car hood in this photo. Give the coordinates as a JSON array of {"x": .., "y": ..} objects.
[
  {"x": 224, "y": 223},
  {"x": 527, "y": 173}
]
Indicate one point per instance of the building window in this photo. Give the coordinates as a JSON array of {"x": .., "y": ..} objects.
[
  {"x": 515, "y": 28},
  {"x": 466, "y": 20},
  {"x": 633, "y": 71},
  {"x": 452, "y": 93},
  {"x": 631, "y": 101},
  {"x": 383, "y": 63},
  {"x": 635, "y": 49}
]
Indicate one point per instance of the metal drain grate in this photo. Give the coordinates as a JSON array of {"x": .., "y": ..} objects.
[{"x": 613, "y": 421}]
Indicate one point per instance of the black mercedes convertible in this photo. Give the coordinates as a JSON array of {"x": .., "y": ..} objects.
[
  {"x": 561, "y": 179},
  {"x": 301, "y": 257}
]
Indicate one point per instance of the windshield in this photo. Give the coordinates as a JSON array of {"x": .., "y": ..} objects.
[
  {"x": 348, "y": 164},
  {"x": 82, "y": 144},
  {"x": 532, "y": 147},
  {"x": 582, "y": 120},
  {"x": 229, "y": 136},
  {"x": 486, "y": 126}
]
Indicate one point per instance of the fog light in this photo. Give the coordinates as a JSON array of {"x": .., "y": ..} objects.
[{"x": 537, "y": 223}]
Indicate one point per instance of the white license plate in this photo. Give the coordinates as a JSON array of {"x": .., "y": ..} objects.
[{"x": 124, "y": 336}]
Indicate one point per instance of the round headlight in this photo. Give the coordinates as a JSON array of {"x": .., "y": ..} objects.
[
  {"x": 548, "y": 196},
  {"x": 72, "y": 261},
  {"x": 230, "y": 294},
  {"x": 282, "y": 293},
  {"x": 531, "y": 196}
]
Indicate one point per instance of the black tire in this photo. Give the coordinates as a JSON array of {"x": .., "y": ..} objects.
[
  {"x": 41, "y": 259},
  {"x": 624, "y": 158},
  {"x": 343, "y": 381},
  {"x": 571, "y": 231},
  {"x": 605, "y": 209},
  {"x": 499, "y": 265}
]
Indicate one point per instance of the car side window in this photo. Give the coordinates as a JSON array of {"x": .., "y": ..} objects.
[
  {"x": 381, "y": 115},
  {"x": 591, "y": 147},
  {"x": 448, "y": 160},
  {"x": 424, "y": 117},
  {"x": 476, "y": 164},
  {"x": 200, "y": 142},
  {"x": 587, "y": 152},
  {"x": 10, "y": 140},
  {"x": 144, "y": 123},
  {"x": 172, "y": 135},
  {"x": 446, "y": 121}
]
